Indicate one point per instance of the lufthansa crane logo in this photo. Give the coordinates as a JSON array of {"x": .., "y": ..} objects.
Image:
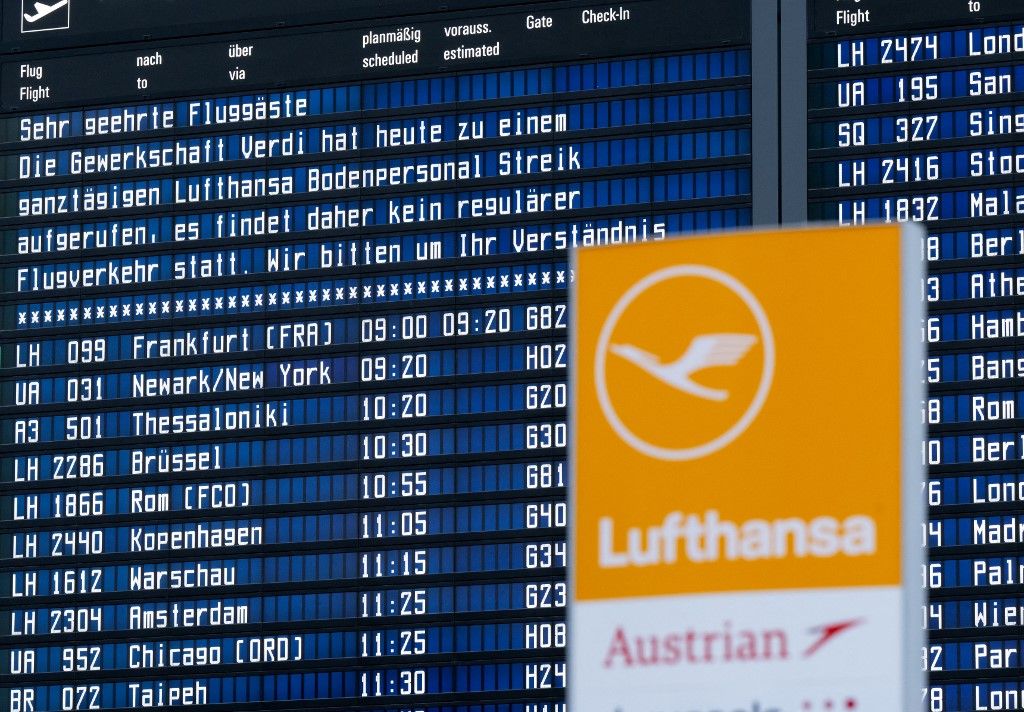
[{"x": 684, "y": 362}]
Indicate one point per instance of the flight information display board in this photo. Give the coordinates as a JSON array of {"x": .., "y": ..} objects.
[
  {"x": 916, "y": 112},
  {"x": 283, "y": 335}
]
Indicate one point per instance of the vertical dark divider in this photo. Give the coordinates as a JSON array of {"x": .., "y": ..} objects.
[
  {"x": 765, "y": 145},
  {"x": 793, "y": 111}
]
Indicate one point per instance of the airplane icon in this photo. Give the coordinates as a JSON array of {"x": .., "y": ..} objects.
[
  {"x": 45, "y": 15},
  {"x": 706, "y": 351},
  {"x": 42, "y": 10}
]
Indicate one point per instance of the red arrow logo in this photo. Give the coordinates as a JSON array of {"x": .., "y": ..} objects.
[{"x": 828, "y": 631}]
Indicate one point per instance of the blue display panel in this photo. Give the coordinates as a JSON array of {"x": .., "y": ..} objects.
[
  {"x": 283, "y": 342},
  {"x": 916, "y": 113}
]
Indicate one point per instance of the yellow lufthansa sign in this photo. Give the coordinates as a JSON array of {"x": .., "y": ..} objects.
[
  {"x": 738, "y": 414},
  {"x": 746, "y": 473}
]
